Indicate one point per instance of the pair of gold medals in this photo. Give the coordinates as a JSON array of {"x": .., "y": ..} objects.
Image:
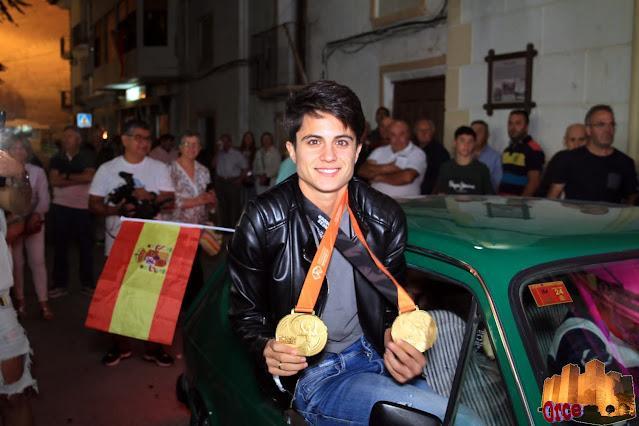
[
  {"x": 305, "y": 331},
  {"x": 308, "y": 333}
]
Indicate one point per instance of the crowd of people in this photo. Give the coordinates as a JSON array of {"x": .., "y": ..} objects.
[
  {"x": 82, "y": 179},
  {"x": 588, "y": 169},
  {"x": 87, "y": 186}
]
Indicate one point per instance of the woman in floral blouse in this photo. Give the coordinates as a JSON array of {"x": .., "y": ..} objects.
[
  {"x": 191, "y": 180},
  {"x": 193, "y": 200}
]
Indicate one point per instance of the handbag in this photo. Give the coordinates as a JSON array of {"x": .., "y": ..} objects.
[
  {"x": 32, "y": 227},
  {"x": 15, "y": 229}
]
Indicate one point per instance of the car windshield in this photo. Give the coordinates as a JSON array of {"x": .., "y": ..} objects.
[{"x": 585, "y": 313}]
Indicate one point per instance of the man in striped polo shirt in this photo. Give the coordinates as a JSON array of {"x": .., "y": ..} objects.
[{"x": 522, "y": 160}]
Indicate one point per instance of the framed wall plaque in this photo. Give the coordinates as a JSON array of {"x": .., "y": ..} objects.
[{"x": 510, "y": 80}]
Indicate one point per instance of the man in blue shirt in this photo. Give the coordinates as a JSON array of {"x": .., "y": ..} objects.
[{"x": 486, "y": 153}]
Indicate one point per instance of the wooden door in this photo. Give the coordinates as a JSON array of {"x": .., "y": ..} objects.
[{"x": 420, "y": 98}]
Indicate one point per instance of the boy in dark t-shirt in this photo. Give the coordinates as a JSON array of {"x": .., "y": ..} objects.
[{"x": 464, "y": 174}]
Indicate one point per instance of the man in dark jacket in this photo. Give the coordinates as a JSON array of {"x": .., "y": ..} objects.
[
  {"x": 271, "y": 253},
  {"x": 436, "y": 153}
]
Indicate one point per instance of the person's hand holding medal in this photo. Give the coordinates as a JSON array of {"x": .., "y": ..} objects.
[
  {"x": 301, "y": 333},
  {"x": 413, "y": 332}
]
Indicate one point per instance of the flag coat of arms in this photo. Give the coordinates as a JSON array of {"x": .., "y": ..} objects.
[{"x": 140, "y": 290}]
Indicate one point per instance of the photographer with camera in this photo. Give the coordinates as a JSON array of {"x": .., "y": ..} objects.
[
  {"x": 15, "y": 350},
  {"x": 131, "y": 185}
]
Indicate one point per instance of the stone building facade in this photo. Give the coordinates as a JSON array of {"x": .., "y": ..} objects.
[{"x": 227, "y": 66}]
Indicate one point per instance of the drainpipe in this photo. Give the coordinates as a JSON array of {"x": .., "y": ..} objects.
[{"x": 633, "y": 107}]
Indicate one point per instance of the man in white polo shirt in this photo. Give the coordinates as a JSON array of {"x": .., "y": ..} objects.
[{"x": 398, "y": 168}]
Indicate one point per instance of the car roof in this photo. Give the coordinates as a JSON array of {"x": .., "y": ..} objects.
[{"x": 514, "y": 233}]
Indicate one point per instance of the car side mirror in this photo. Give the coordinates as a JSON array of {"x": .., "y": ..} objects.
[{"x": 386, "y": 413}]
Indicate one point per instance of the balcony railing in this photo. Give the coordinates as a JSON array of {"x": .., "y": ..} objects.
[{"x": 276, "y": 67}]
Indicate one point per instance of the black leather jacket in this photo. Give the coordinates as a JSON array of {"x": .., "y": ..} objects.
[{"x": 272, "y": 250}]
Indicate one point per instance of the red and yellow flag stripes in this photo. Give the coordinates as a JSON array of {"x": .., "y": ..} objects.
[{"x": 141, "y": 287}]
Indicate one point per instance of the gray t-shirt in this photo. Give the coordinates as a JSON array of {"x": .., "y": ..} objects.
[{"x": 340, "y": 312}]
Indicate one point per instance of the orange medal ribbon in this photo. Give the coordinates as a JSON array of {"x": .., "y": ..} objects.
[
  {"x": 314, "y": 279},
  {"x": 404, "y": 301},
  {"x": 319, "y": 266}
]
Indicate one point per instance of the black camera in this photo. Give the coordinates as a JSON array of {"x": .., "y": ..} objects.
[
  {"x": 123, "y": 192},
  {"x": 143, "y": 209}
]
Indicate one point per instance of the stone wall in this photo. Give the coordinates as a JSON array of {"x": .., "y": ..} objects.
[
  {"x": 360, "y": 69},
  {"x": 584, "y": 58}
]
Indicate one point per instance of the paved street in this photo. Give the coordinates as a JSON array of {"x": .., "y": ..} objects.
[{"x": 76, "y": 389}]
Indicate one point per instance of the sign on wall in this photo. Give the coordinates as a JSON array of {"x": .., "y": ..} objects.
[
  {"x": 84, "y": 120},
  {"x": 510, "y": 80}
]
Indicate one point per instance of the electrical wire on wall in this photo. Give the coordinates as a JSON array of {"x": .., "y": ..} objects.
[{"x": 357, "y": 42}]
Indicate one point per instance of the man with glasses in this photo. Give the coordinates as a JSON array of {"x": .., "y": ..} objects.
[
  {"x": 597, "y": 171},
  {"x": 151, "y": 182}
]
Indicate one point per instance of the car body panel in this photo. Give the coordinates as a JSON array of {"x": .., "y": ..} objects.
[
  {"x": 213, "y": 358},
  {"x": 464, "y": 277}
]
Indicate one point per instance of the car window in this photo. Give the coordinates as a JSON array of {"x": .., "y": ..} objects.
[
  {"x": 583, "y": 313},
  {"x": 460, "y": 365}
]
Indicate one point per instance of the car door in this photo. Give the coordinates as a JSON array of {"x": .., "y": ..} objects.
[
  {"x": 467, "y": 364},
  {"x": 575, "y": 314}
]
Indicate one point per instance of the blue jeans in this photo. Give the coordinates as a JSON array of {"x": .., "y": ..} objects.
[{"x": 342, "y": 389}]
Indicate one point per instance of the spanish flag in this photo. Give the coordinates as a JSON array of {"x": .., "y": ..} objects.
[{"x": 140, "y": 290}]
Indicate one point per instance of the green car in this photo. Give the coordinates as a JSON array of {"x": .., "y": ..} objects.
[{"x": 514, "y": 285}]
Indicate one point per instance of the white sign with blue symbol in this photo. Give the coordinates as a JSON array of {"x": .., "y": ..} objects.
[{"x": 84, "y": 120}]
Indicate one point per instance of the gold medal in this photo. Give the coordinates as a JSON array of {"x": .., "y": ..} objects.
[
  {"x": 415, "y": 327},
  {"x": 306, "y": 332},
  {"x": 301, "y": 328}
]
